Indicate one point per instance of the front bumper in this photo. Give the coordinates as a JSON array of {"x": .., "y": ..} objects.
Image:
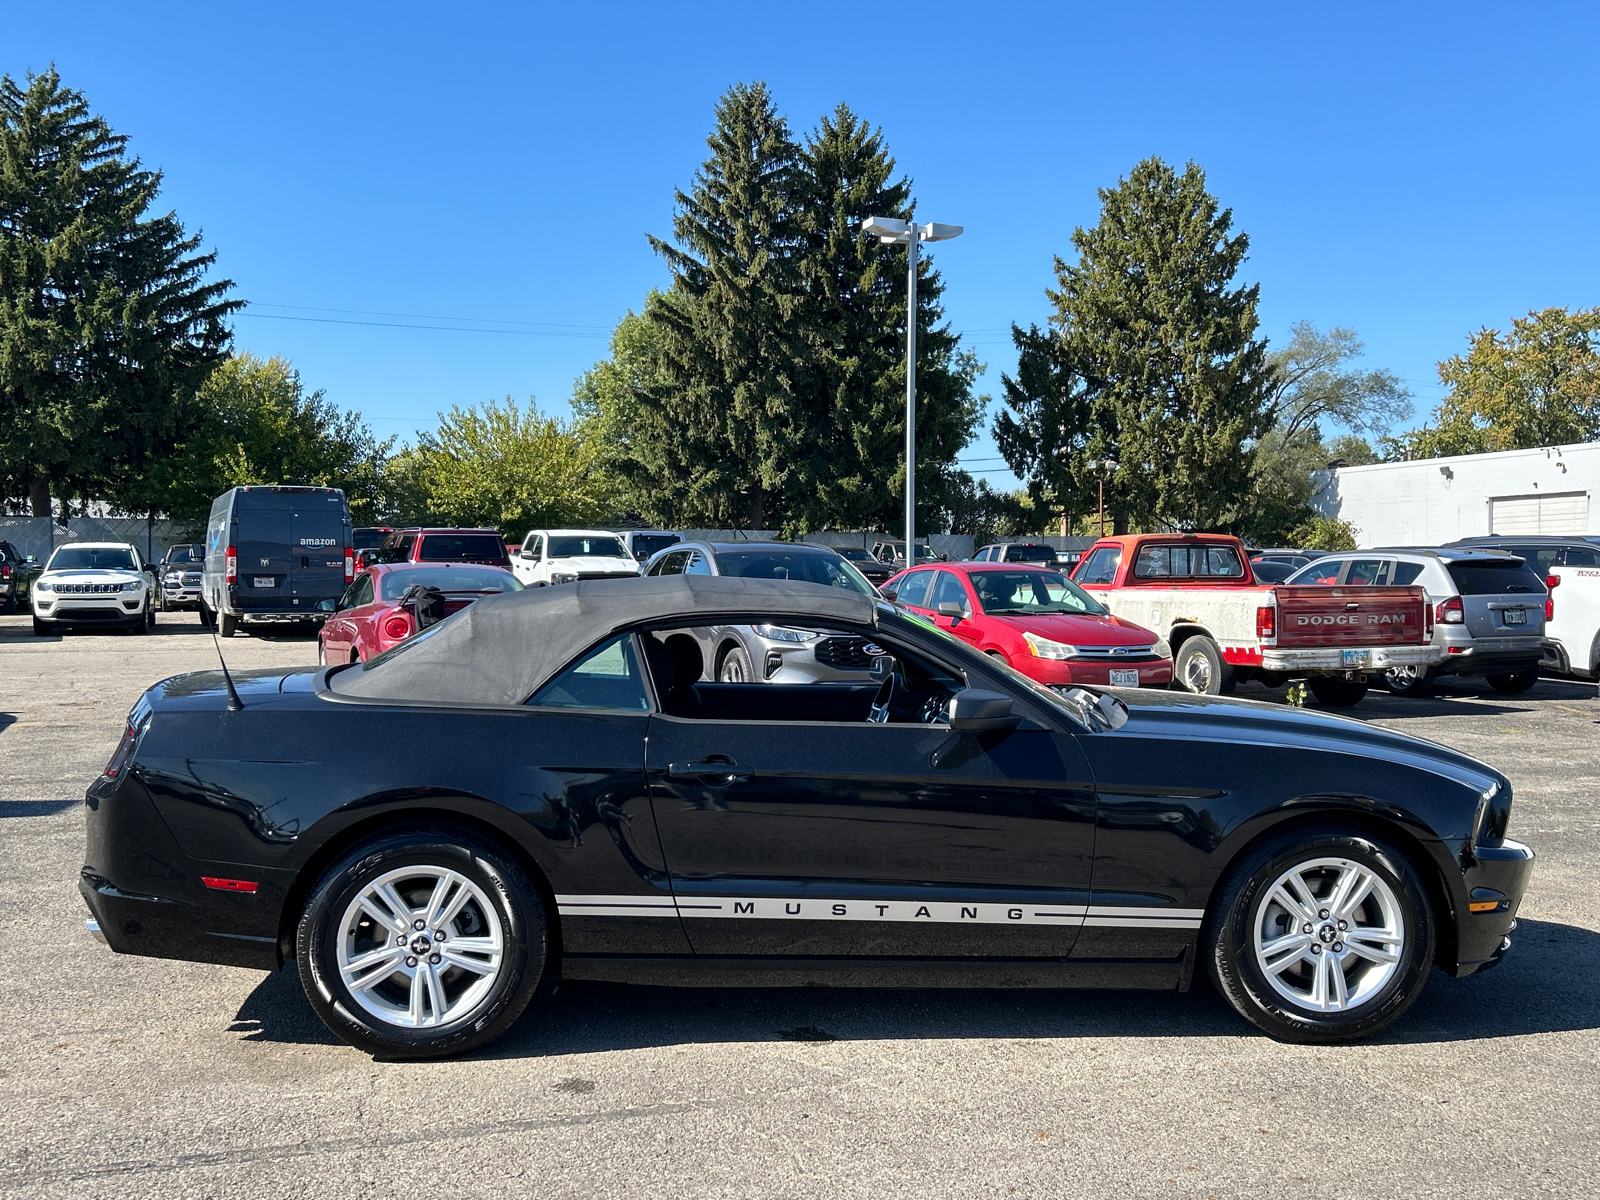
[
  {"x": 173, "y": 597},
  {"x": 127, "y": 607},
  {"x": 1153, "y": 672},
  {"x": 1324, "y": 658},
  {"x": 1499, "y": 874}
]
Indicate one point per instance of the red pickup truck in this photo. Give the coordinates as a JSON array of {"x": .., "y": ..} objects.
[{"x": 1225, "y": 626}]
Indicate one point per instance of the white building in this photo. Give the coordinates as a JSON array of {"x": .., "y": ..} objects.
[{"x": 1430, "y": 501}]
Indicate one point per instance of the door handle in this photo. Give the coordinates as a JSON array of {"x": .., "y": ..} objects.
[{"x": 721, "y": 772}]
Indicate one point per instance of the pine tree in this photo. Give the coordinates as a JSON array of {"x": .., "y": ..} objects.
[
  {"x": 1152, "y": 359},
  {"x": 849, "y": 430},
  {"x": 718, "y": 413},
  {"x": 107, "y": 328}
]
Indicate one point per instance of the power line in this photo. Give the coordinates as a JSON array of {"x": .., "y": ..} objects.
[
  {"x": 364, "y": 312},
  {"x": 445, "y": 328}
]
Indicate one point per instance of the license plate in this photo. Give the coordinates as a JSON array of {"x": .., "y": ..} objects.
[
  {"x": 265, "y": 581},
  {"x": 1356, "y": 658},
  {"x": 1124, "y": 678},
  {"x": 1516, "y": 616}
]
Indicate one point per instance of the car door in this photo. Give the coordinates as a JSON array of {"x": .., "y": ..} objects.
[
  {"x": 825, "y": 838},
  {"x": 342, "y": 632},
  {"x": 950, "y": 588}
]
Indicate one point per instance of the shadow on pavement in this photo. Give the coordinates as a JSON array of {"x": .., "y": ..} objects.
[
  {"x": 35, "y": 808},
  {"x": 1541, "y": 987}
]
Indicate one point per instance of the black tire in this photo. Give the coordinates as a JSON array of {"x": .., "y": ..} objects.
[
  {"x": 207, "y": 617},
  {"x": 1416, "y": 682},
  {"x": 1199, "y": 667},
  {"x": 1514, "y": 685},
  {"x": 1336, "y": 692},
  {"x": 498, "y": 877},
  {"x": 227, "y": 624},
  {"x": 40, "y": 629},
  {"x": 1227, "y": 942},
  {"x": 735, "y": 667}
]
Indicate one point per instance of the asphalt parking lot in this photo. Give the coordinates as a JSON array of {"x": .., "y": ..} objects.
[{"x": 133, "y": 1077}]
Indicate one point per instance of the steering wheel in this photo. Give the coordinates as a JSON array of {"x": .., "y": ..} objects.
[
  {"x": 888, "y": 692},
  {"x": 934, "y": 709}
]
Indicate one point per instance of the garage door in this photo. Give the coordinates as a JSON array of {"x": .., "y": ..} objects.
[{"x": 1559, "y": 513}]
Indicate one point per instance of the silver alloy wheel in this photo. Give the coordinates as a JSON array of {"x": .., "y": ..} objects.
[
  {"x": 733, "y": 668},
  {"x": 1407, "y": 675},
  {"x": 420, "y": 946},
  {"x": 1197, "y": 673},
  {"x": 1328, "y": 934}
]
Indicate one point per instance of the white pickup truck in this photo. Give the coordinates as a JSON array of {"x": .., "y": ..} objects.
[
  {"x": 1199, "y": 593},
  {"x": 1570, "y": 567},
  {"x": 568, "y": 555}
]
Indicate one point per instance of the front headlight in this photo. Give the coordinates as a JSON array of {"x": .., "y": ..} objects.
[
  {"x": 136, "y": 585},
  {"x": 1162, "y": 649},
  {"x": 563, "y": 577},
  {"x": 783, "y": 633},
  {"x": 174, "y": 578},
  {"x": 1045, "y": 648},
  {"x": 41, "y": 586}
]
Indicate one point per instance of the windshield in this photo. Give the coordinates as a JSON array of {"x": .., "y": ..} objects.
[
  {"x": 187, "y": 554},
  {"x": 1031, "y": 553},
  {"x": 368, "y": 539},
  {"x": 575, "y": 546},
  {"x": 808, "y": 567},
  {"x": 646, "y": 544},
  {"x": 449, "y": 579},
  {"x": 856, "y": 554},
  {"x": 1026, "y": 593},
  {"x": 91, "y": 558}
]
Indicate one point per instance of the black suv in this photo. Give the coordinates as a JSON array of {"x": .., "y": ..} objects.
[{"x": 17, "y": 572}]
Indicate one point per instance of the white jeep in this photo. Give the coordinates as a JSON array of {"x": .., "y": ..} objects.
[
  {"x": 568, "y": 555},
  {"x": 94, "y": 583}
]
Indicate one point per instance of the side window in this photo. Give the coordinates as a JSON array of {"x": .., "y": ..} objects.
[
  {"x": 913, "y": 589},
  {"x": 697, "y": 564},
  {"x": 1367, "y": 572},
  {"x": 403, "y": 550},
  {"x": 672, "y": 564},
  {"x": 948, "y": 590},
  {"x": 360, "y": 592},
  {"x": 607, "y": 677},
  {"x": 1405, "y": 574},
  {"x": 1100, "y": 567},
  {"x": 1576, "y": 556}
]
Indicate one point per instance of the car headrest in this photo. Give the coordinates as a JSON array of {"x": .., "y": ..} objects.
[{"x": 687, "y": 663}]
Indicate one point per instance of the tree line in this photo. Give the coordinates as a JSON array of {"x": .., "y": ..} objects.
[{"x": 762, "y": 386}]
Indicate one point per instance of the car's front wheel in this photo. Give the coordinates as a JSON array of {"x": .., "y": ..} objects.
[
  {"x": 1321, "y": 936},
  {"x": 422, "y": 942},
  {"x": 735, "y": 667}
]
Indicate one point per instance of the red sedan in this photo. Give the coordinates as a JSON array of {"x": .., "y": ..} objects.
[
  {"x": 370, "y": 617},
  {"x": 1038, "y": 620}
]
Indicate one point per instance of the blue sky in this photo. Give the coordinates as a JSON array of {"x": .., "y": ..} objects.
[{"x": 370, "y": 174}]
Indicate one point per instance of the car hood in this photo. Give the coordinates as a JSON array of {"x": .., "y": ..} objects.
[
  {"x": 1080, "y": 630},
  {"x": 88, "y": 575},
  {"x": 1252, "y": 722},
  {"x": 617, "y": 566}
]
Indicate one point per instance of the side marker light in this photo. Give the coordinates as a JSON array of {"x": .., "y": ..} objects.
[{"x": 229, "y": 885}]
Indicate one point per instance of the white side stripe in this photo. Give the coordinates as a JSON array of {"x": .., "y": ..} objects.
[{"x": 777, "y": 908}]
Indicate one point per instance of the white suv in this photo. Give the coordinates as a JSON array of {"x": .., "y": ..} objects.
[
  {"x": 568, "y": 555},
  {"x": 94, "y": 583}
]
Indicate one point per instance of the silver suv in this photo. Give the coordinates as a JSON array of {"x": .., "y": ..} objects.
[
  {"x": 1488, "y": 609},
  {"x": 772, "y": 653}
]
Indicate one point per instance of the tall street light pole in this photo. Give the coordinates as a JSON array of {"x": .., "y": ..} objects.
[
  {"x": 894, "y": 232},
  {"x": 1101, "y": 468}
]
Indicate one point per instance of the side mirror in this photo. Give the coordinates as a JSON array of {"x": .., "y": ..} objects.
[
  {"x": 327, "y": 606},
  {"x": 974, "y": 709},
  {"x": 888, "y": 594},
  {"x": 953, "y": 609},
  {"x": 529, "y": 554},
  {"x": 32, "y": 561}
]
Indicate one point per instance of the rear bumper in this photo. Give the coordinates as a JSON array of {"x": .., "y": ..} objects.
[
  {"x": 160, "y": 928},
  {"x": 1502, "y": 656},
  {"x": 1325, "y": 658},
  {"x": 1499, "y": 874}
]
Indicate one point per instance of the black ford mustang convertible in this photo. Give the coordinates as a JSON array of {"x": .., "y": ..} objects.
[{"x": 558, "y": 791}]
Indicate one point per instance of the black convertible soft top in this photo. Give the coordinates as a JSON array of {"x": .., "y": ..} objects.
[{"x": 504, "y": 647}]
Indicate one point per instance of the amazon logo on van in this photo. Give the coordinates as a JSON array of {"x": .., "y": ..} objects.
[{"x": 316, "y": 542}]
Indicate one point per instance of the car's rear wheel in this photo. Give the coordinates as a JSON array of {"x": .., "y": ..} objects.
[
  {"x": 1415, "y": 680},
  {"x": 1514, "y": 685},
  {"x": 227, "y": 624},
  {"x": 735, "y": 667},
  {"x": 1336, "y": 692},
  {"x": 1321, "y": 936},
  {"x": 1199, "y": 667},
  {"x": 421, "y": 943}
]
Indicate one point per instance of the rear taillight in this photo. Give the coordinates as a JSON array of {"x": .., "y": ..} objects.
[
  {"x": 1266, "y": 623},
  {"x": 397, "y": 627},
  {"x": 1449, "y": 612},
  {"x": 5, "y": 570},
  {"x": 349, "y": 565},
  {"x": 119, "y": 759},
  {"x": 232, "y": 568},
  {"x": 1427, "y": 621},
  {"x": 1550, "y": 597}
]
